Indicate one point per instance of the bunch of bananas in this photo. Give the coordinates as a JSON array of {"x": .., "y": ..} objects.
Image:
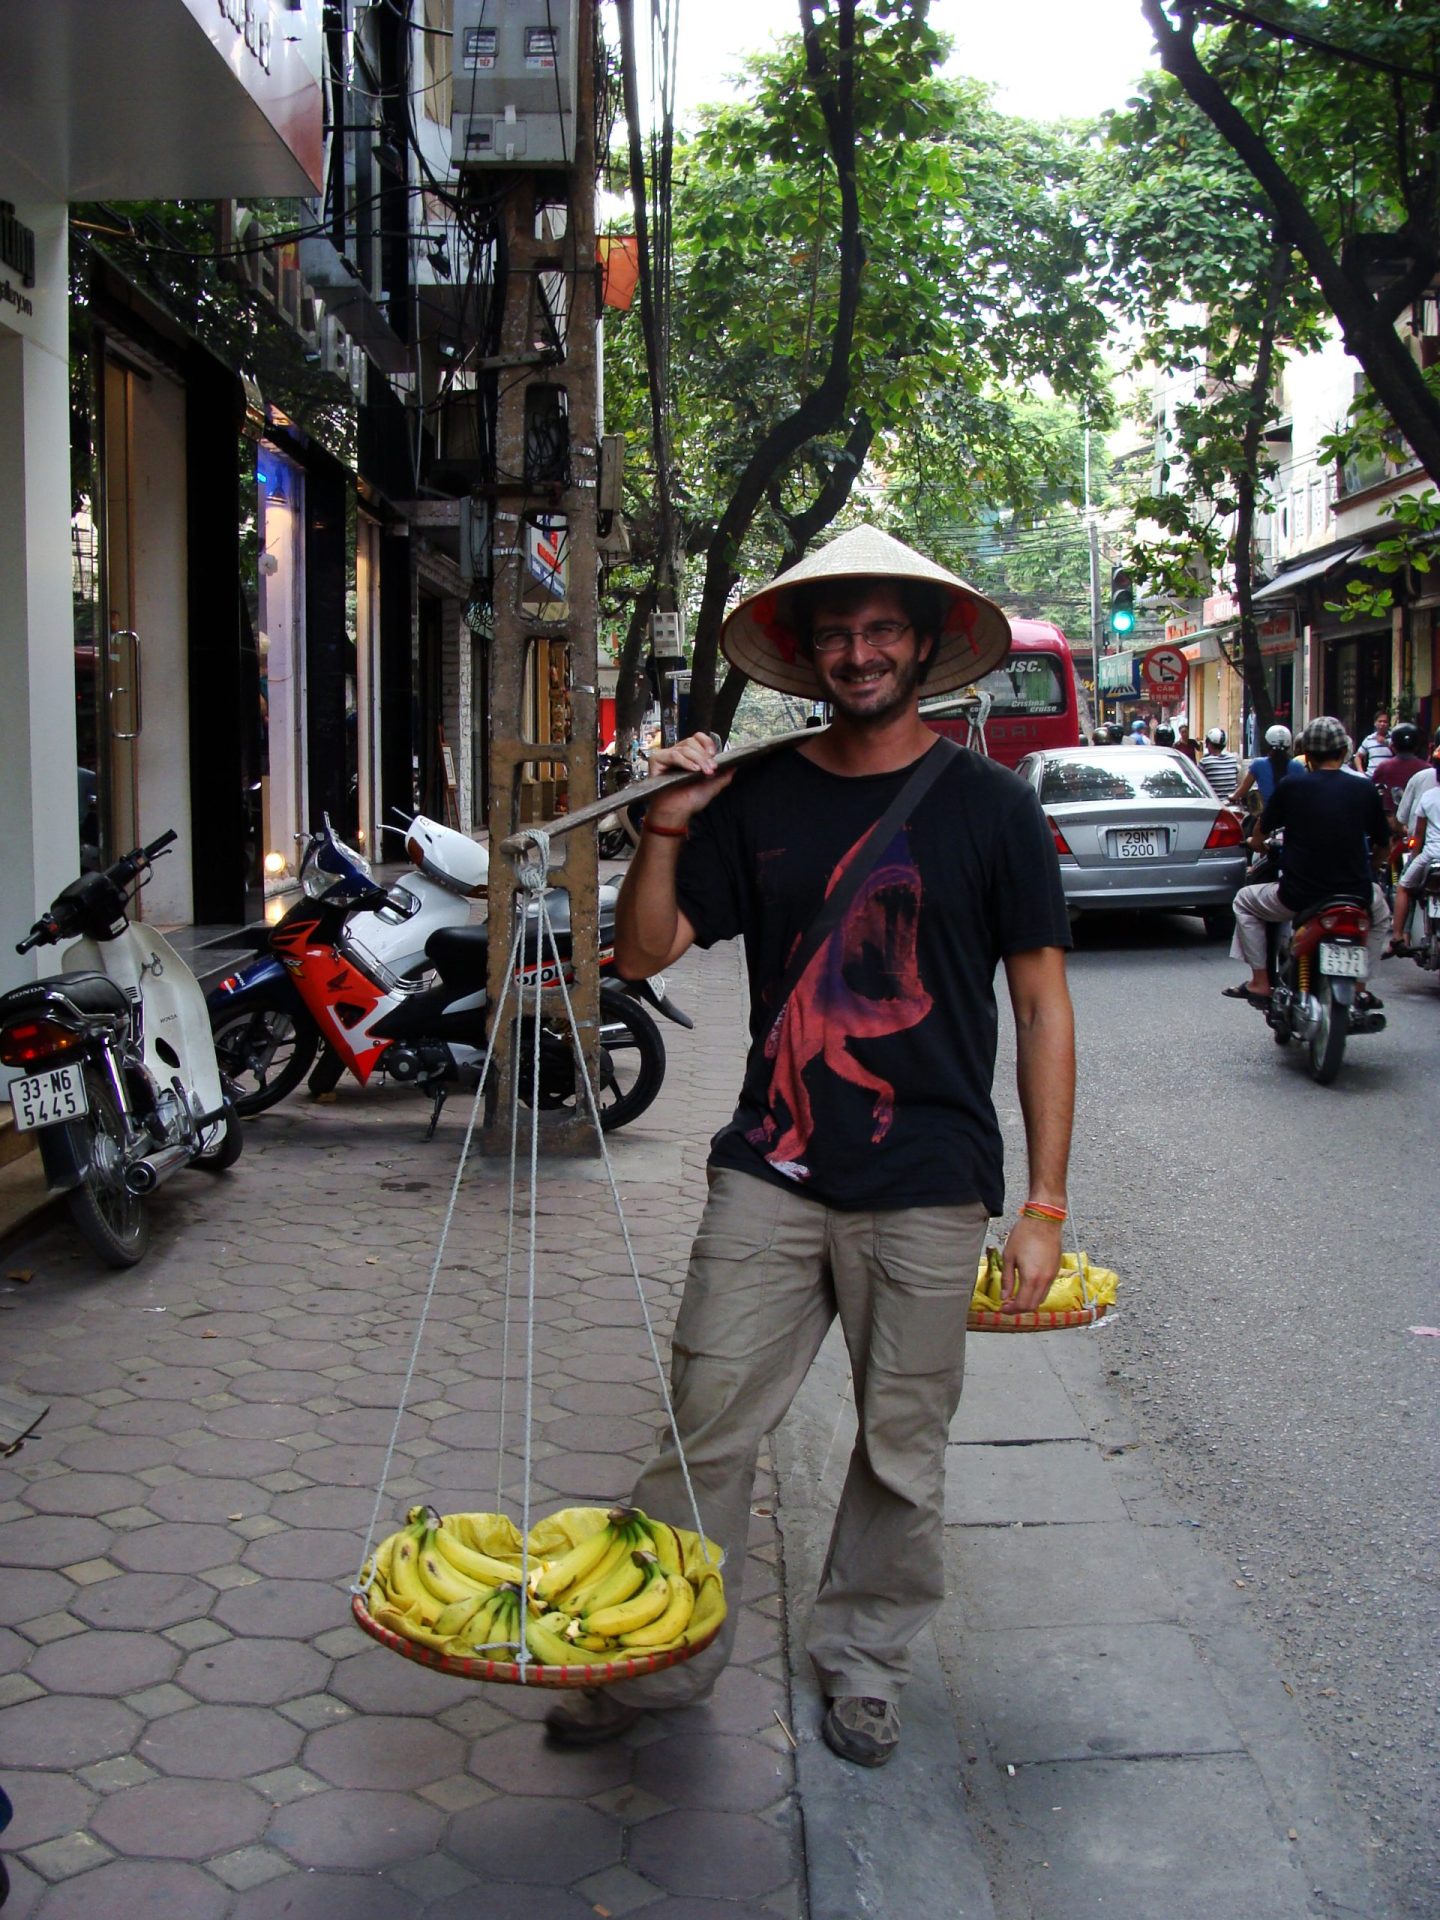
[
  {"x": 622, "y": 1588},
  {"x": 1077, "y": 1284}
]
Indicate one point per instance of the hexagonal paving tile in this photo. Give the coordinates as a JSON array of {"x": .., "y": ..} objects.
[
  {"x": 51, "y": 1542},
  {"x": 519, "y": 1903},
  {"x": 717, "y": 1855},
  {"x": 330, "y": 1896},
  {"x": 177, "y": 1547},
  {"x": 209, "y": 1501},
  {"x": 286, "y": 1609},
  {"x": 713, "y": 1770},
  {"x": 63, "y": 1731},
  {"x": 360, "y": 1831},
  {"x": 181, "y": 1819},
  {"x": 519, "y": 1760},
  {"x": 393, "y": 1752},
  {"x": 376, "y": 1681},
  {"x": 46, "y": 1805},
  {"x": 104, "y": 1663},
  {"x": 143, "y": 1600},
  {"x": 254, "y": 1672},
  {"x": 26, "y": 1593},
  {"x": 541, "y": 1842},
  {"x": 220, "y": 1743},
  {"x": 158, "y": 1889}
]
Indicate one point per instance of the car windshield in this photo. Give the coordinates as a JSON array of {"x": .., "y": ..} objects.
[
  {"x": 1026, "y": 683},
  {"x": 1126, "y": 773}
]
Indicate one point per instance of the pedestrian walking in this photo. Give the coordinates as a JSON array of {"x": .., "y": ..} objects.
[
  {"x": 1375, "y": 747},
  {"x": 876, "y": 875}
]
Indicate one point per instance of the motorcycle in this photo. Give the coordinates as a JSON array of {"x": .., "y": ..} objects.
[
  {"x": 306, "y": 989},
  {"x": 1318, "y": 966},
  {"x": 615, "y": 834},
  {"x": 118, "y": 1070}
]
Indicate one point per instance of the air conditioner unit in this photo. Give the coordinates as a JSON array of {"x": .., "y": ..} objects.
[{"x": 514, "y": 80}]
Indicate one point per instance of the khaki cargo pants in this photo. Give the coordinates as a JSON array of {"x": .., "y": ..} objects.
[{"x": 769, "y": 1271}]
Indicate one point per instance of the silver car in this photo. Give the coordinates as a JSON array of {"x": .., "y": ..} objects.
[{"x": 1139, "y": 828}]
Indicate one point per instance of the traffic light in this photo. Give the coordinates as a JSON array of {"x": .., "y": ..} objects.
[{"x": 1122, "y": 602}]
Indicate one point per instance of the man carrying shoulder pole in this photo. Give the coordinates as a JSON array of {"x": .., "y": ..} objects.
[{"x": 877, "y": 875}]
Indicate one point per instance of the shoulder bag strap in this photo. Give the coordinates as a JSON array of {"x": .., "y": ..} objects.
[{"x": 940, "y": 756}]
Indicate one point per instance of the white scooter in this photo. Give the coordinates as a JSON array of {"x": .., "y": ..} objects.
[{"x": 117, "y": 1068}]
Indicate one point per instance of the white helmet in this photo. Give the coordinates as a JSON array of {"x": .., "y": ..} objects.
[
  {"x": 1276, "y": 737},
  {"x": 1216, "y": 738}
]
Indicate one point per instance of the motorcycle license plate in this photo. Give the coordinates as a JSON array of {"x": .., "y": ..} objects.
[
  {"x": 1344, "y": 963},
  {"x": 1432, "y": 906},
  {"x": 45, "y": 1099},
  {"x": 1137, "y": 843}
]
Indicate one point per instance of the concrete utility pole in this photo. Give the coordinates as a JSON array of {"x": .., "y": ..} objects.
[{"x": 541, "y": 660}]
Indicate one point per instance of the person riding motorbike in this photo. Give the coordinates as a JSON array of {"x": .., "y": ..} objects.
[
  {"x": 1265, "y": 772},
  {"x": 1424, "y": 819},
  {"x": 1335, "y": 829},
  {"x": 1219, "y": 766}
]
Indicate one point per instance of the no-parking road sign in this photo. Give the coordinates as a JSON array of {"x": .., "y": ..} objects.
[{"x": 1162, "y": 673}]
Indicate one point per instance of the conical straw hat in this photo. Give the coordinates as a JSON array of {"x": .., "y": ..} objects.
[{"x": 762, "y": 640}]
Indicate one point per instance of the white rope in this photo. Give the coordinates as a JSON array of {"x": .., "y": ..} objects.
[
  {"x": 359, "y": 1586},
  {"x": 593, "y": 1104}
]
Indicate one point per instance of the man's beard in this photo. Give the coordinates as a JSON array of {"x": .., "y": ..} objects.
[{"x": 899, "y": 694}]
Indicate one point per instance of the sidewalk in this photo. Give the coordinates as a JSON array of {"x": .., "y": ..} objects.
[{"x": 193, "y": 1727}]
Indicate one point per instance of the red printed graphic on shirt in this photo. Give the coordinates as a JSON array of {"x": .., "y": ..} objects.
[{"x": 863, "y": 984}]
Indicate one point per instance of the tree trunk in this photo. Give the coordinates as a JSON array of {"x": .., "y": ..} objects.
[
  {"x": 1367, "y": 330},
  {"x": 1252, "y": 667},
  {"x": 824, "y": 405}
]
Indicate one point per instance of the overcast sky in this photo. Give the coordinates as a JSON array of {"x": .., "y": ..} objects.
[{"x": 1045, "y": 57}]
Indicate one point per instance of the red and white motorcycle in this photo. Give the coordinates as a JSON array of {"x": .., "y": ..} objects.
[{"x": 392, "y": 981}]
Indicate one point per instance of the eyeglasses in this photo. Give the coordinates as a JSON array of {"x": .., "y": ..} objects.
[{"x": 880, "y": 633}]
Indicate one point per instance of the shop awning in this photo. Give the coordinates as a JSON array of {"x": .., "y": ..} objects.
[{"x": 1296, "y": 576}]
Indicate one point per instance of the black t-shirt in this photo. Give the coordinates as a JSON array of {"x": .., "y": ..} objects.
[
  {"x": 1328, "y": 818},
  {"x": 871, "y": 1089}
]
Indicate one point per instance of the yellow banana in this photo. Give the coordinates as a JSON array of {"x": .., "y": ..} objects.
[
  {"x": 378, "y": 1565},
  {"x": 483, "y": 1568},
  {"x": 638, "y": 1611},
  {"x": 439, "y": 1578},
  {"x": 410, "y": 1627},
  {"x": 625, "y": 1537},
  {"x": 629, "y": 1575},
  {"x": 671, "y": 1624},
  {"x": 406, "y": 1587},
  {"x": 666, "y": 1544},
  {"x": 709, "y": 1607},
  {"x": 475, "y": 1633},
  {"x": 578, "y": 1564},
  {"x": 454, "y": 1619},
  {"x": 545, "y": 1637}
]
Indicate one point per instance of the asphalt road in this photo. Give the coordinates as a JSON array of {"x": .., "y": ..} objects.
[{"x": 1276, "y": 1244}]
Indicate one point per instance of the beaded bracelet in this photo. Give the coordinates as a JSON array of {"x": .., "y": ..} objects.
[
  {"x": 666, "y": 833},
  {"x": 1037, "y": 1210}
]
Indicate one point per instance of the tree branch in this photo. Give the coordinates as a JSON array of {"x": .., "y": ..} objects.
[{"x": 1368, "y": 334}]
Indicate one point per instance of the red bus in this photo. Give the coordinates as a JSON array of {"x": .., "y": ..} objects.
[{"x": 1026, "y": 703}]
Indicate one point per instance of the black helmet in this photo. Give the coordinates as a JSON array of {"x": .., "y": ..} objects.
[{"x": 1405, "y": 738}]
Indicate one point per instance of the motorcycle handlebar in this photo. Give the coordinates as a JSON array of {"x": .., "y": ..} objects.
[{"x": 40, "y": 935}]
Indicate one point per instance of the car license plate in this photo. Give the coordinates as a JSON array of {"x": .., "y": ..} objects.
[
  {"x": 1346, "y": 963},
  {"x": 45, "y": 1099},
  {"x": 1137, "y": 843}
]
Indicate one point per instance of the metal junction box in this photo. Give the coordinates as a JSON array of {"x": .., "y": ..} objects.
[{"x": 514, "y": 83}]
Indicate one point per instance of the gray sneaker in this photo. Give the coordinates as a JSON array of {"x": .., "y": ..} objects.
[
  {"x": 589, "y": 1717},
  {"x": 863, "y": 1730}
]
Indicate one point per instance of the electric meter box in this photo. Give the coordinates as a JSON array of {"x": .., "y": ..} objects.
[{"x": 514, "y": 83}]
